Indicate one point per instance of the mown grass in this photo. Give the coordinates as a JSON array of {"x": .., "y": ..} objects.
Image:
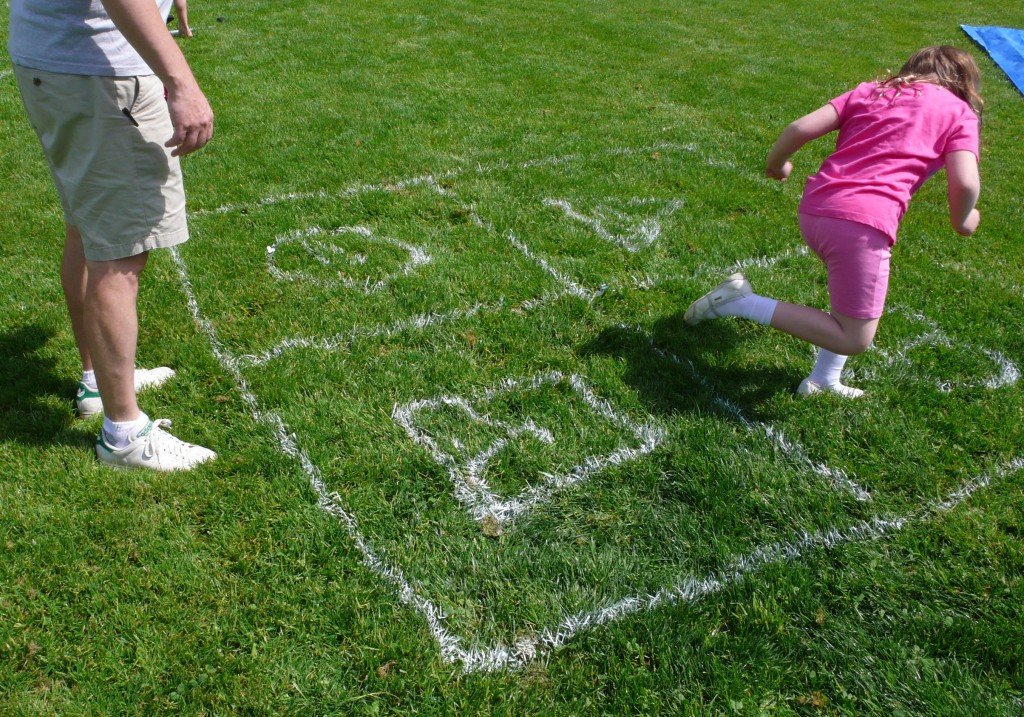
[{"x": 446, "y": 127}]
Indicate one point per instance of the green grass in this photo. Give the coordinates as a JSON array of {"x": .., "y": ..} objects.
[{"x": 709, "y": 569}]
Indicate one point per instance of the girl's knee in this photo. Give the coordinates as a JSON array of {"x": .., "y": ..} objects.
[{"x": 858, "y": 347}]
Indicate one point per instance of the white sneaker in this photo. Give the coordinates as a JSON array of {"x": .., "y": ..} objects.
[
  {"x": 808, "y": 387},
  {"x": 152, "y": 447},
  {"x": 706, "y": 307},
  {"x": 89, "y": 403}
]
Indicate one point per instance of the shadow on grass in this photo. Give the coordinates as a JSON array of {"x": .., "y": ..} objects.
[
  {"x": 25, "y": 379},
  {"x": 684, "y": 370}
]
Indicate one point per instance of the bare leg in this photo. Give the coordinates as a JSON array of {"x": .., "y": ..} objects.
[
  {"x": 834, "y": 332},
  {"x": 73, "y": 277},
  {"x": 111, "y": 329},
  {"x": 181, "y": 8}
]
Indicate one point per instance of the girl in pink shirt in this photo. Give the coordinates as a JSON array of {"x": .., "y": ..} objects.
[{"x": 893, "y": 135}]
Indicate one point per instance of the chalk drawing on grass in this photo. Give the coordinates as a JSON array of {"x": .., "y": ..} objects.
[
  {"x": 468, "y": 460},
  {"x": 897, "y": 362},
  {"x": 340, "y": 265},
  {"x": 469, "y": 651},
  {"x": 632, "y": 225}
]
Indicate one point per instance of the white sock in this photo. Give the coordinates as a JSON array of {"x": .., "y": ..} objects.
[
  {"x": 828, "y": 369},
  {"x": 753, "y": 307},
  {"x": 117, "y": 434},
  {"x": 89, "y": 379}
]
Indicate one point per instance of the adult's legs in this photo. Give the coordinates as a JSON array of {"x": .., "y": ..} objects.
[
  {"x": 111, "y": 331},
  {"x": 73, "y": 278}
]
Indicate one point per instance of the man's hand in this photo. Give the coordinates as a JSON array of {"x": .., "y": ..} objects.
[{"x": 192, "y": 119}]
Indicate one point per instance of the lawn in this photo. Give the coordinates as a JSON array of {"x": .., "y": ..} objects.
[{"x": 471, "y": 458}]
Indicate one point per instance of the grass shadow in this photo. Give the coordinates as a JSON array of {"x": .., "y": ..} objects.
[
  {"x": 678, "y": 368},
  {"x": 26, "y": 378}
]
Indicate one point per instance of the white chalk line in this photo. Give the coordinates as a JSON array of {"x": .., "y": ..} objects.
[
  {"x": 325, "y": 253},
  {"x": 501, "y": 656},
  {"x": 644, "y": 282},
  {"x": 793, "y": 451},
  {"x": 641, "y": 236},
  {"x": 343, "y": 341},
  {"x": 528, "y": 648},
  {"x": 467, "y": 477},
  {"x": 895, "y": 362},
  {"x": 480, "y": 169}
]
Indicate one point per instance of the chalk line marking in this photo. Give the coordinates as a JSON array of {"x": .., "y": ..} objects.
[
  {"x": 836, "y": 477},
  {"x": 686, "y": 590},
  {"x": 500, "y": 656},
  {"x": 327, "y": 254},
  {"x": 896, "y": 363},
  {"x": 468, "y": 474},
  {"x": 343, "y": 341},
  {"x": 644, "y": 282},
  {"x": 433, "y": 180},
  {"x": 639, "y": 234}
]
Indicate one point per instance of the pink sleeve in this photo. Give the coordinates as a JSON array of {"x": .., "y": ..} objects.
[
  {"x": 964, "y": 135},
  {"x": 840, "y": 102}
]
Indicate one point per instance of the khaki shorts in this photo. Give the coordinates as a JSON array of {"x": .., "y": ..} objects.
[{"x": 117, "y": 182}]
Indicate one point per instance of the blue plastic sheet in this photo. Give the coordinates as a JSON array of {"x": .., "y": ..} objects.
[{"x": 1006, "y": 48}]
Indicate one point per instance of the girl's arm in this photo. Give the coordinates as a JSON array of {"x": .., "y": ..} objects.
[
  {"x": 964, "y": 187},
  {"x": 816, "y": 124}
]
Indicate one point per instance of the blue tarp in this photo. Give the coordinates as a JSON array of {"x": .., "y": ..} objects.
[{"x": 1006, "y": 48}]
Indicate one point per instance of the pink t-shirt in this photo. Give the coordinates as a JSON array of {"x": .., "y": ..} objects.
[{"x": 888, "y": 145}]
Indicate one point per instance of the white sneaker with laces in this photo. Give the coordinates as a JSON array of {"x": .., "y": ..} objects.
[
  {"x": 808, "y": 388},
  {"x": 89, "y": 403},
  {"x": 154, "y": 448},
  {"x": 706, "y": 307}
]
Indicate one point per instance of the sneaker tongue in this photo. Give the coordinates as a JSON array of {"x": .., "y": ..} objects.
[{"x": 145, "y": 430}]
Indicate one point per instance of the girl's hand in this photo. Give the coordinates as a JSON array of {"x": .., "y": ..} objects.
[
  {"x": 779, "y": 173},
  {"x": 970, "y": 224}
]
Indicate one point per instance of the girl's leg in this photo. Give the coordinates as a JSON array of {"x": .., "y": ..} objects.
[
  {"x": 857, "y": 257},
  {"x": 834, "y": 332}
]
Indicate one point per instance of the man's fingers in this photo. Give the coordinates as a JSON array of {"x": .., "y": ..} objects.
[{"x": 186, "y": 141}]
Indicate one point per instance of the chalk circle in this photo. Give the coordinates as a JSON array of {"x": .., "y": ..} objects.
[
  {"x": 348, "y": 257},
  {"x": 993, "y": 368}
]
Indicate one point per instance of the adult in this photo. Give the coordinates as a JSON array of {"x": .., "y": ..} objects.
[
  {"x": 92, "y": 77},
  {"x": 181, "y": 12}
]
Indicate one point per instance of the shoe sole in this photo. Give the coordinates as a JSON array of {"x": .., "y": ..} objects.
[{"x": 734, "y": 287}]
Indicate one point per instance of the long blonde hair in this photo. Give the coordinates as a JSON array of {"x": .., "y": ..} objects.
[{"x": 942, "y": 65}]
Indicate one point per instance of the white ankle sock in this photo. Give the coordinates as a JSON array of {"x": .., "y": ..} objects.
[
  {"x": 752, "y": 307},
  {"x": 117, "y": 434},
  {"x": 828, "y": 369},
  {"x": 89, "y": 379}
]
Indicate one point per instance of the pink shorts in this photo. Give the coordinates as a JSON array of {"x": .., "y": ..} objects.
[{"x": 857, "y": 258}]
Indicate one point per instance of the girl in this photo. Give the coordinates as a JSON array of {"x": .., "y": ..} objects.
[{"x": 893, "y": 135}]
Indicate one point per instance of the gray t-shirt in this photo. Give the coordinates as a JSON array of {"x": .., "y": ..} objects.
[{"x": 76, "y": 37}]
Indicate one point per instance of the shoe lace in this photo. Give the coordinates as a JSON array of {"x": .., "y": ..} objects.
[{"x": 160, "y": 441}]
